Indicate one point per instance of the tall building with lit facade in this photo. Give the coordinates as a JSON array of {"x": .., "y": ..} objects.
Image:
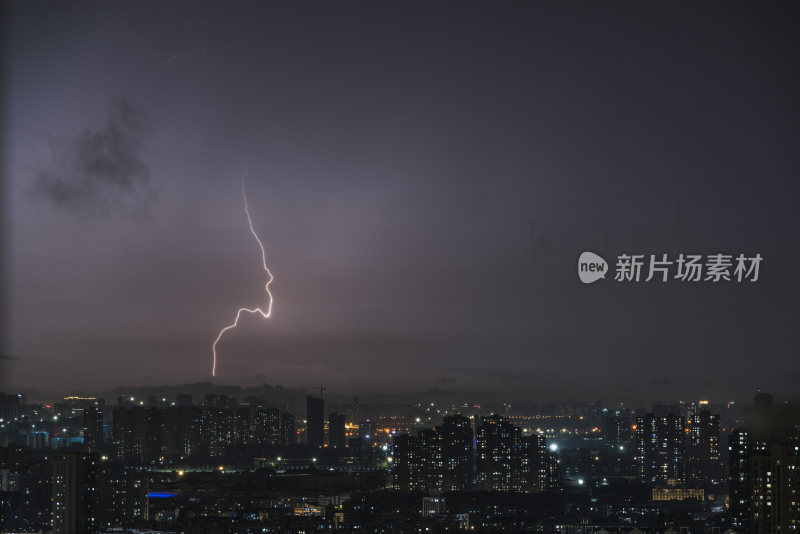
[
  {"x": 509, "y": 461},
  {"x": 404, "y": 458},
  {"x": 267, "y": 426},
  {"x": 367, "y": 429},
  {"x": 537, "y": 473},
  {"x": 417, "y": 461},
  {"x": 436, "y": 459},
  {"x": 739, "y": 477},
  {"x": 217, "y": 428},
  {"x": 121, "y": 494},
  {"x": 74, "y": 495},
  {"x": 429, "y": 469},
  {"x": 456, "y": 444},
  {"x": 774, "y": 483},
  {"x": 497, "y": 464},
  {"x": 136, "y": 433},
  {"x": 616, "y": 428},
  {"x": 660, "y": 448},
  {"x": 143, "y": 434},
  {"x": 704, "y": 464},
  {"x": 93, "y": 427},
  {"x": 553, "y": 470},
  {"x": 288, "y": 430},
  {"x": 764, "y": 469},
  {"x": 243, "y": 425},
  {"x": 180, "y": 430},
  {"x": 764, "y": 483},
  {"x": 315, "y": 422}
]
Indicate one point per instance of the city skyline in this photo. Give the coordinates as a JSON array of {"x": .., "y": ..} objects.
[
  {"x": 443, "y": 395},
  {"x": 81, "y": 464},
  {"x": 424, "y": 180}
]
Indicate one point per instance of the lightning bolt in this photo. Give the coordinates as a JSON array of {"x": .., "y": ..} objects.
[{"x": 264, "y": 314}]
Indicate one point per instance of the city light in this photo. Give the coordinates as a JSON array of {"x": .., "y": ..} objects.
[{"x": 425, "y": 177}]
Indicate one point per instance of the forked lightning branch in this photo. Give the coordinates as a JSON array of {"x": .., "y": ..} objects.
[{"x": 265, "y": 314}]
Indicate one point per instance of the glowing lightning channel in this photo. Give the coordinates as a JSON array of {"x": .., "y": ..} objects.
[{"x": 264, "y": 314}]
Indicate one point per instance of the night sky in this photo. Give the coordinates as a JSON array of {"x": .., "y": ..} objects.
[{"x": 423, "y": 176}]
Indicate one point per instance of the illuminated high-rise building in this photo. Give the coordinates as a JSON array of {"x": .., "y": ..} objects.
[
  {"x": 417, "y": 461},
  {"x": 436, "y": 459},
  {"x": 403, "y": 456},
  {"x": 121, "y": 494},
  {"x": 288, "y": 431},
  {"x": 93, "y": 427},
  {"x": 367, "y": 429},
  {"x": 267, "y": 426},
  {"x": 616, "y": 428},
  {"x": 739, "y": 477},
  {"x": 456, "y": 453},
  {"x": 774, "y": 482},
  {"x": 136, "y": 433},
  {"x": 509, "y": 461},
  {"x": 704, "y": 463},
  {"x": 180, "y": 432},
  {"x": 74, "y": 495},
  {"x": 764, "y": 469},
  {"x": 660, "y": 448},
  {"x": 243, "y": 425},
  {"x": 535, "y": 468},
  {"x": 498, "y": 466},
  {"x": 217, "y": 424}
]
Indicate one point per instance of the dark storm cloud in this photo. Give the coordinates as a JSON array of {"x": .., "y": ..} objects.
[
  {"x": 793, "y": 378},
  {"x": 181, "y": 32},
  {"x": 543, "y": 239},
  {"x": 168, "y": 57},
  {"x": 100, "y": 169},
  {"x": 552, "y": 239},
  {"x": 424, "y": 178}
]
